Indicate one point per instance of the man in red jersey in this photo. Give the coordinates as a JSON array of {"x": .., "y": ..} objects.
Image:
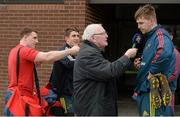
[{"x": 28, "y": 56}]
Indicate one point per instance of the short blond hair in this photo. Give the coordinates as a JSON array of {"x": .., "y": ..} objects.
[{"x": 147, "y": 11}]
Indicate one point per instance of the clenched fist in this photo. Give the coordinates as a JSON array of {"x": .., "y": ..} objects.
[
  {"x": 75, "y": 50},
  {"x": 131, "y": 53}
]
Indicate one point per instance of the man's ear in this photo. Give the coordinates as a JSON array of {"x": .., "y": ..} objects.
[
  {"x": 65, "y": 38},
  {"x": 25, "y": 36},
  {"x": 153, "y": 20},
  {"x": 92, "y": 39}
]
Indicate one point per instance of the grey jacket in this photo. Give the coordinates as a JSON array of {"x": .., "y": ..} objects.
[{"x": 94, "y": 81}]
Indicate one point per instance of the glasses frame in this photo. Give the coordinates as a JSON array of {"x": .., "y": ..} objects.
[{"x": 102, "y": 33}]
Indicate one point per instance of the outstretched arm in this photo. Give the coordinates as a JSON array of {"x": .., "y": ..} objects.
[{"x": 53, "y": 56}]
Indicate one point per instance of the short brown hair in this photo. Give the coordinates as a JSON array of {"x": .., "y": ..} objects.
[
  {"x": 69, "y": 30},
  {"x": 147, "y": 11},
  {"x": 26, "y": 31}
]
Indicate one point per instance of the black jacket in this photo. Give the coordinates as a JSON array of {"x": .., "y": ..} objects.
[
  {"x": 94, "y": 81},
  {"x": 62, "y": 75}
]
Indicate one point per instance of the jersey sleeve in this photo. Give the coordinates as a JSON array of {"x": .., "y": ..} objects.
[{"x": 28, "y": 53}]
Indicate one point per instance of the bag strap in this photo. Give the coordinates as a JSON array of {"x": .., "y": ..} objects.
[
  {"x": 17, "y": 65},
  {"x": 37, "y": 84},
  {"x": 17, "y": 78},
  {"x": 26, "y": 109}
]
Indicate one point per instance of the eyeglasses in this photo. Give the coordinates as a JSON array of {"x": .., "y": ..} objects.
[{"x": 102, "y": 33}]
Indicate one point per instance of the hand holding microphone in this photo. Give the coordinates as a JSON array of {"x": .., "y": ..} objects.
[{"x": 131, "y": 53}]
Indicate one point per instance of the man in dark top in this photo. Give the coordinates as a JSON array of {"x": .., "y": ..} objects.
[
  {"x": 94, "y": 76},
  {"x": 62, "y": 73}
]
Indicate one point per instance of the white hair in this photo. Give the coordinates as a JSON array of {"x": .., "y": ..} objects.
[{"x": 89, "y": 31}]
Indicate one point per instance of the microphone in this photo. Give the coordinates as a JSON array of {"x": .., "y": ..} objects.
[{"x": 136, "y": 40}]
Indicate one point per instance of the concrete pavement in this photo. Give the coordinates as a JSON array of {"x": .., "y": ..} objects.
[{"x": 128, "y": 107}]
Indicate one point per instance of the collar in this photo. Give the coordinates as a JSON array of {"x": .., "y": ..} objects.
[
  {"x": 92, "y": 45},
  {"x": 153, "y": 30},
  {"x": 67, "y": 45}
]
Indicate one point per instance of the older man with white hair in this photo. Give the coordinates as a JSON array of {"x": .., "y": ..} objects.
[{"x": 94, "y": 76}]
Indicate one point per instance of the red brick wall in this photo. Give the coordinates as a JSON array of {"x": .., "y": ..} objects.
[{"x": 50, "y": 20}]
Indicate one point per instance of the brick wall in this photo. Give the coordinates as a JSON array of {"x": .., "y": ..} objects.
[
  {"x": 50, "y": 20},
  {"x": 94, "y": 14}
]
